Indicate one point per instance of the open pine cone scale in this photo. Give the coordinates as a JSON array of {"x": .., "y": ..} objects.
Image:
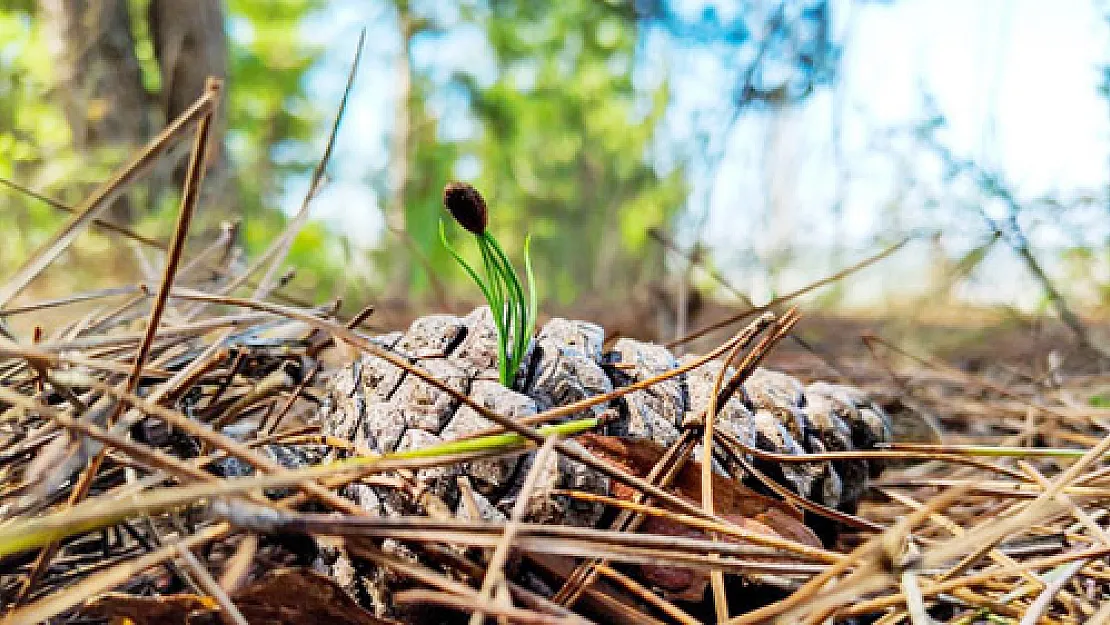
[{"x": 380, "y": 408}]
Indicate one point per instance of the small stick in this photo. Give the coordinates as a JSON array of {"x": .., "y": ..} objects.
[
  {"x": 647, "y": 596},
  {"x": 204, "y": 579},
  {"x": 495, "y": 571},
  {"x": 717, "y": 399},
  {"x": 790, "y": 296}
]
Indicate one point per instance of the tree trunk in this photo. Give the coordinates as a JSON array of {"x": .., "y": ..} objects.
[
  {"x": 402, "y": 130},
  {"x": 190, "y": 42},
  {"x": 99, "y": 80},
  {"x": 400, "y": 149}
]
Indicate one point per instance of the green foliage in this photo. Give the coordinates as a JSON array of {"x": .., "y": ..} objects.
[
  {"x": 34, "y": 137},
  {"x": 563, "y": 145},
  {"x": 432, "y": 161},
  {"x": 565, "y": 142},
  {"x": 272, "y": 119},
  {"x": 272, "y": 133},
  {"x": 1102, "y": 400}
]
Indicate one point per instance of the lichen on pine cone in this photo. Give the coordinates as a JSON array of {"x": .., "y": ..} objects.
[{"x": 381, "y": 408}]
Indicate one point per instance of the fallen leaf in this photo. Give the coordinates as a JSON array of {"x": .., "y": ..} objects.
[
  {"x": 733, "y": 501},
  {"x": 639, "y": 456},
  {"x": 681, "y": 584},
  {"x": 283, "y": 596},
  {"x": 147, "y": 610},
  {"x": 300, "y": 597}
]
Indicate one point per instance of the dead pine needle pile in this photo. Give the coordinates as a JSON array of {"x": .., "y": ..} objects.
[{"x": 206, "y": 449}]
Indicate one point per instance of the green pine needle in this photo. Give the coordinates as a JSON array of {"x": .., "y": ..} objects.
[{"x": 514, "y": 313}]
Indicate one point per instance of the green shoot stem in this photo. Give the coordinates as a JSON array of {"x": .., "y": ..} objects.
[
  {"x": 517, "y": 300},
  {"x": 465, "y": 265},
  {"x": 514, "y": 314},
  {"x": 497, "y": 309},
  {"x": 533, "y": 304}
]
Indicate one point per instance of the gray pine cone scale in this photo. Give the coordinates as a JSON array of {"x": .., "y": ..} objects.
[{"x": 379, "y": 407}]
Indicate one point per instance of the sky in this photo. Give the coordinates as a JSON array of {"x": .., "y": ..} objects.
[{"x": 1016, "y": 80}]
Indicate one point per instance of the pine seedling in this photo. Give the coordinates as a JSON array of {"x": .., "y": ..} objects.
[{"x": 514, "y": 315}]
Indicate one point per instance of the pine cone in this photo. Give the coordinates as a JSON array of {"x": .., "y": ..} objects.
[{"x": 377, "y": 406}]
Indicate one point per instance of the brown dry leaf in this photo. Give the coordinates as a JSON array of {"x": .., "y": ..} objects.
[
  {"x": 147, "y": 610},
  {"x": 729, "y": 496},
  {"x": 681, "y": 584},
  {"x": 733, "y": 501},
  {"x": 300, "y": 597},
  {"x": 284, "y": 596}
]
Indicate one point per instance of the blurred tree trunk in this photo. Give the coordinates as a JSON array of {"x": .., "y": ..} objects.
[
  {"x": 99, "y": 84},
  {"x": 190, "y": 42},
  {"x": 100, "y": 79},
  {"x": 400, "y": 147}
]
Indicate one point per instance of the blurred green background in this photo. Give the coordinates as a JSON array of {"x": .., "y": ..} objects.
[{"x": 772, "y": 142}]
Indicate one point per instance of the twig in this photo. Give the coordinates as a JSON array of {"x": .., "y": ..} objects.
[
  {"x": 276, "y": 252},
  {"x": 792, "y": 295},
  {"x": 205, "y": 105},
  {"x": 230, "y": 613},
  {"x": 495, "y": 570}
]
